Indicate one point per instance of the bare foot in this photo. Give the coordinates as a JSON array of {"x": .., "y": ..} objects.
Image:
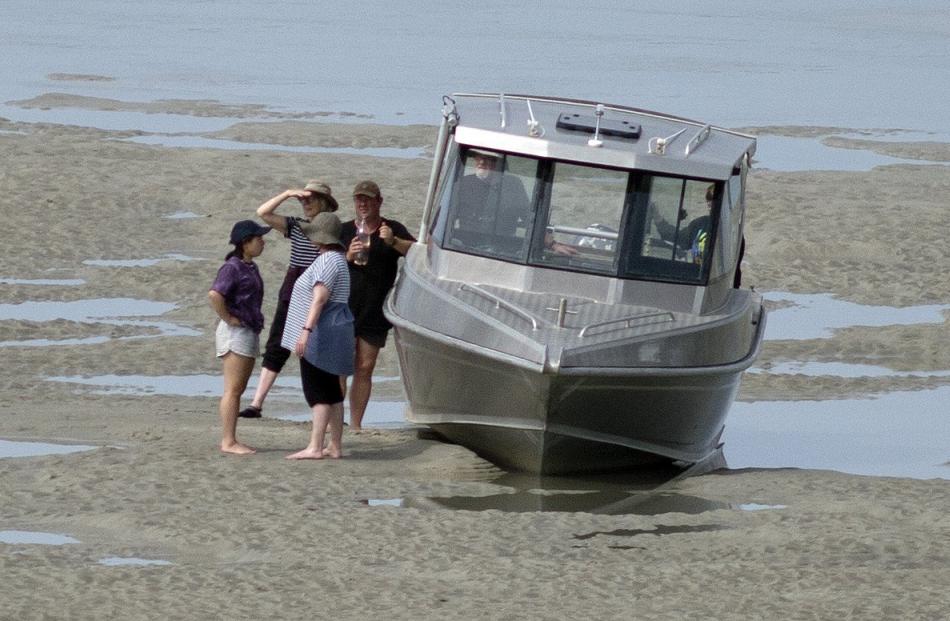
[
  {"x": 307, "y": 454},
  {"x": 332, "y": 453},
  {"x": 237, "y": 449}
]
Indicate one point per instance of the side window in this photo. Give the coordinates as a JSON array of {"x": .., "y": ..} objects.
[
  {"x": 736, "y": 214},
  {"x": 698, "y": 201},
  {"x": 678, "y": 220},
  {"x": 665, "y": 221},
  {"x": 676, "y": 239},
  {"x": 490, "y": 205},
  {"x": 584, "y": 210},
  {"x": 451, "y": 167},
  {"x": 730, "y": 220}
]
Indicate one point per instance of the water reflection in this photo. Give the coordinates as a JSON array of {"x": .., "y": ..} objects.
[
  {"x": 641, "y": 492},
  {"x": 898, "y": 434},
  {"x": 816, "y": 316}
]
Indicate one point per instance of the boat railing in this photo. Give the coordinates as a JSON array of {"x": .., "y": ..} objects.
[
  {"x": 501, "y": 303},
  {"x": 626, "y": 322},
  {"x": 573, "y": 230}
]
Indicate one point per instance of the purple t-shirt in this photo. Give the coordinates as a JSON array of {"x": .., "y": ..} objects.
[{"x": 243, "y": 290}]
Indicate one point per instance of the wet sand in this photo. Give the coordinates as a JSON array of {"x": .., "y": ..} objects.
[{"x": 260, "y": 537}]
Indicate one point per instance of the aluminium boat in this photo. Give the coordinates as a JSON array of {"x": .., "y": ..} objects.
[{"x": 574, "y": 304}]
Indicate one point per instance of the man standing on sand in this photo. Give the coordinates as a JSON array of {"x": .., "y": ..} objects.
[{"x": 387, "y": 241}]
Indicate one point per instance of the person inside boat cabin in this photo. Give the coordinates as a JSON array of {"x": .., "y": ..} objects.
[
  {"x": 695, "y": 237},
  {"x": 495, "y": 205}
]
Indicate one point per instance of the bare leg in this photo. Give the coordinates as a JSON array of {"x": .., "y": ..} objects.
[
  {"x": 264, "y": 384},
  {"x": 362, "y": 386},
  {"x": 237, "y": 370},
  {"x": 335, "y": 449},
  {"x": 321, "y": 419}
]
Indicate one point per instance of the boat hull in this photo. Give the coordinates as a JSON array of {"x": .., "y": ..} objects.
[{"x": 524, "y": 417}]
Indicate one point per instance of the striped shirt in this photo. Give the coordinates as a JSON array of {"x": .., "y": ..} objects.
[
  {"x": 330, "y": 269},
  {"x": 302, "y": 250}
]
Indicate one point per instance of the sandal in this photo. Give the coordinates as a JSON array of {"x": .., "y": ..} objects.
[{"x": 250, "y": 412}]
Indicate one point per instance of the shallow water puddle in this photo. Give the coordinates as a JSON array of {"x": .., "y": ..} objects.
[
  {"x": 787, "y": 154},
  {"x": 138, "y": 262},
  {"x": 194, "y": 142},
  {"x": 182, "y": 215},
  {"x": 44, "y": 282},
  {"x": 286, "y": 387},
  {"x": 119, "y": 120},
  {"x": 25, "y": 537},
  {"x": 117, "y": 561},
  {"x": 145, "y": 385},
  {"x": 84, "y": 310},
  {"x": 898, "y": 434},
  {"x": 379, "y": 414},
  {"x": 840, "y": 369},
  {"x": 109, "y": 311},
  {"x": 816, "y": 316},
  {"x": 9, "y": 448},
  {"x": 757, "y": 507}
]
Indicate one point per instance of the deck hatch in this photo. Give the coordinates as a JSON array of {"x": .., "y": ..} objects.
[{"x": 608, "y": 127}]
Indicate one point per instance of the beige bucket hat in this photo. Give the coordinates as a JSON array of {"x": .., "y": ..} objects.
[
  {"x": 318, "y": 187},
  {"x": 323, "y": 229}
]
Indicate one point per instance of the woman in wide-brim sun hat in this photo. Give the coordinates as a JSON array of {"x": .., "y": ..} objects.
[
  {"x": 319, "y": 329},
  {"x": 315, "y": 197}
]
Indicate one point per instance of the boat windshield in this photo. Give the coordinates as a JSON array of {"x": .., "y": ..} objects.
[{"x": 628, "y": 224}]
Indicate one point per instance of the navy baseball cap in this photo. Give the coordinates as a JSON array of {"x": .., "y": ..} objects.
[{"x": 247, "y": 228}]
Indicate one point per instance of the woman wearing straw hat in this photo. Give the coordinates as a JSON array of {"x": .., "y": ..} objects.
[
  {"x": 319, "y": 329},
  {"x": 236, "y": 296},
  {"x": 315, "y": 197}
]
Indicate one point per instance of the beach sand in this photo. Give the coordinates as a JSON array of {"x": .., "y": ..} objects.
[{"x": 260, "y": 537}]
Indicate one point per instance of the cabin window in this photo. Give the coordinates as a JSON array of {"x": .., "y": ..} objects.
[
  {"x": 583, "y": 218},
  {"x": 731, "y": 227},
  {"x": 560, "y": 215},
  {"x": 676, "y": 230},
  {"x": 490, "y": 205}
]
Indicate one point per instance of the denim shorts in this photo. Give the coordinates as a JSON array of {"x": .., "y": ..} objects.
[{"x": 242, "y": 341}]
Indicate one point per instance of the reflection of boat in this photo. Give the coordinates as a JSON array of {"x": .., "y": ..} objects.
[
  {"x": 650, "y": 493},
  {"x": 572, "y": 305}
]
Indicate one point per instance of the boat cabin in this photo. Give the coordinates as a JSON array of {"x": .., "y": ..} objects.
[{"x": 586, "y": 188}]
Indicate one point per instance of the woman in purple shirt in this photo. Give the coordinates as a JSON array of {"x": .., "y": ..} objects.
[{"x": 236, "y": 296}]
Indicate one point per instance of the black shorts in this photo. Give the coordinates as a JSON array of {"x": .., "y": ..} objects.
[
  {"x": 319, "y": 387},
  {"x": 375, "y": 337}
]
